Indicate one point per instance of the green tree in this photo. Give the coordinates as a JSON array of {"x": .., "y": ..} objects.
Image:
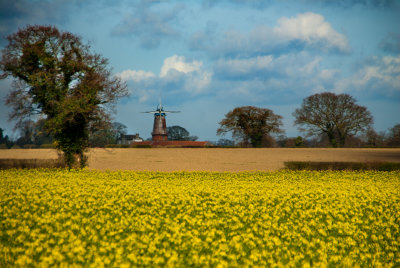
[
  {"x": 251, "y": 125},
  {"x": 299, "y": 141},
  {"x": 55, "y": 75},
  {"x": 178, "y": 133},
  {"x": 337, "y": 116}
]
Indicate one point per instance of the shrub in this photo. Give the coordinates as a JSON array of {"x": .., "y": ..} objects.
[
  {"x": 380, "y": 166},
  {"x": 141, "y": 146},
  {"x": 30, "y": 146},
  {"x": 117, "y": 146},
  {"x": 31, "y": 163},
  {"x": 47, "y": 146}
]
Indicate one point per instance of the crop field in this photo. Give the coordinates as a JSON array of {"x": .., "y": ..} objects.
[
  {"x": 179, "y": 219},
  {"x": 212, "y": 159}
]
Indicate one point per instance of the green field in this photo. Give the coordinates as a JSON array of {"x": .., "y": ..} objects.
[{"x": 286, "y": 218}]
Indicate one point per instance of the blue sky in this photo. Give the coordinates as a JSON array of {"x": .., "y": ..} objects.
[{"x": 206, "y": 57}]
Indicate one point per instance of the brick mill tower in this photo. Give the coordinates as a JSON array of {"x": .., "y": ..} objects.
[{"x": 160, "y": 125}]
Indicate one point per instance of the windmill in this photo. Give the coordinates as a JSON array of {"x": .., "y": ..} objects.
[{"x": 160, "y": 126}]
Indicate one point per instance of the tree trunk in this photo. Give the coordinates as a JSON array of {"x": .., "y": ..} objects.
[
  {"x": 332, "y": 139},
  {"x": 342, "y": 140}
]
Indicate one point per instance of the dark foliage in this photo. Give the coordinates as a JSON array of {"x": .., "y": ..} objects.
[
  {"x": 379, "y": 166},
  {"x": 178, "y": 133}
]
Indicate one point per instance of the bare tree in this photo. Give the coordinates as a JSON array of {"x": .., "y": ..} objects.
[
  {"x": 251, "y": 125},
  {"x": 394, "y": 136},
  {"x": 337, "y": 116}
]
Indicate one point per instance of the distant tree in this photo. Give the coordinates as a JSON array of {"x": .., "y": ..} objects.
[
  {"x": 178, "y": 133},
  {"x": 284, "y": 141},
  {"x": 41, "y": 135},
  {"x": 2, "y": 137},
  {"x": 374, "y": 139},
  {"x": 299, "y": 142},
  {"x": 354, "y": 142},
  {"x": 5, "y": 141},
  {"x": 32, "y": 133},
  {"x": 26, "y": 132},
  {"x": 337, "y": 116},
  {"x": 394, "y": 136},
  {"x": 290, "y": 143},
  {"x": 251, "y": 125},
  {"x": 108, "y": 134},
  {"x": 119, "y": 129},
  {"x": 281, "y": 140},
  {"x": 225, "y": 142},
  {"x": 101, "y": 137},
  {"x": 56, "y": 76}
]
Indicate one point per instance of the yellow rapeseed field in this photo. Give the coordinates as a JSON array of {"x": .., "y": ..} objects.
[{"x": 94, "y": 219}]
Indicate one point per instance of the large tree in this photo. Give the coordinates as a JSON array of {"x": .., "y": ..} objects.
[
  {"x": 337, "y": 116},
  {"x": 58, "y": 77},
  {"x": 251, "y": 125}
]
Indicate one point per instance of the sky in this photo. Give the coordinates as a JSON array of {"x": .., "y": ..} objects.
[{"x": 204, "y": 58}]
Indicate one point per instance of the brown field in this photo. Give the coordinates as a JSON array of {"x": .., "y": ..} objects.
[{"x": 211, "y": 159}]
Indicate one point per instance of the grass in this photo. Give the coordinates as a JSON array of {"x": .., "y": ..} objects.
[{"x": 308, "y": 165}]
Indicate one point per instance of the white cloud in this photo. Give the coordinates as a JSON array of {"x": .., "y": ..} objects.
[
  {"x": 302, "y": 32},
  {"x": 310, "y": 68},
  {"x": 244, "y": 67},
  {"x": 312, "y": 29},
  {"x": 134, "y": 75},
  {"x": 328, "y": 74},
  {"x": 177, "y": 76},
  {"x": 380, "y": 74},
  {"x": 199, "y": 82},
  {"x": 270, "y": 79},
  {"x": 150, "y": 22},
  {"x": 285, "y": 68},
  {"x": 191, "y": 75},
  {"x": 179, "y": 64}
]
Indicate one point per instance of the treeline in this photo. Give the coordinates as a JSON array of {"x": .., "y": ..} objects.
[
  {"x": 326, "y": 119},
  {"x": 34, "y": 135},
  {"x": 389, "y": 138},
  {"x": 370, "y": 139}
]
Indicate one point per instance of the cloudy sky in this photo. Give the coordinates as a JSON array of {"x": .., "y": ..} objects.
[{"x": 206, "y": 57}]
